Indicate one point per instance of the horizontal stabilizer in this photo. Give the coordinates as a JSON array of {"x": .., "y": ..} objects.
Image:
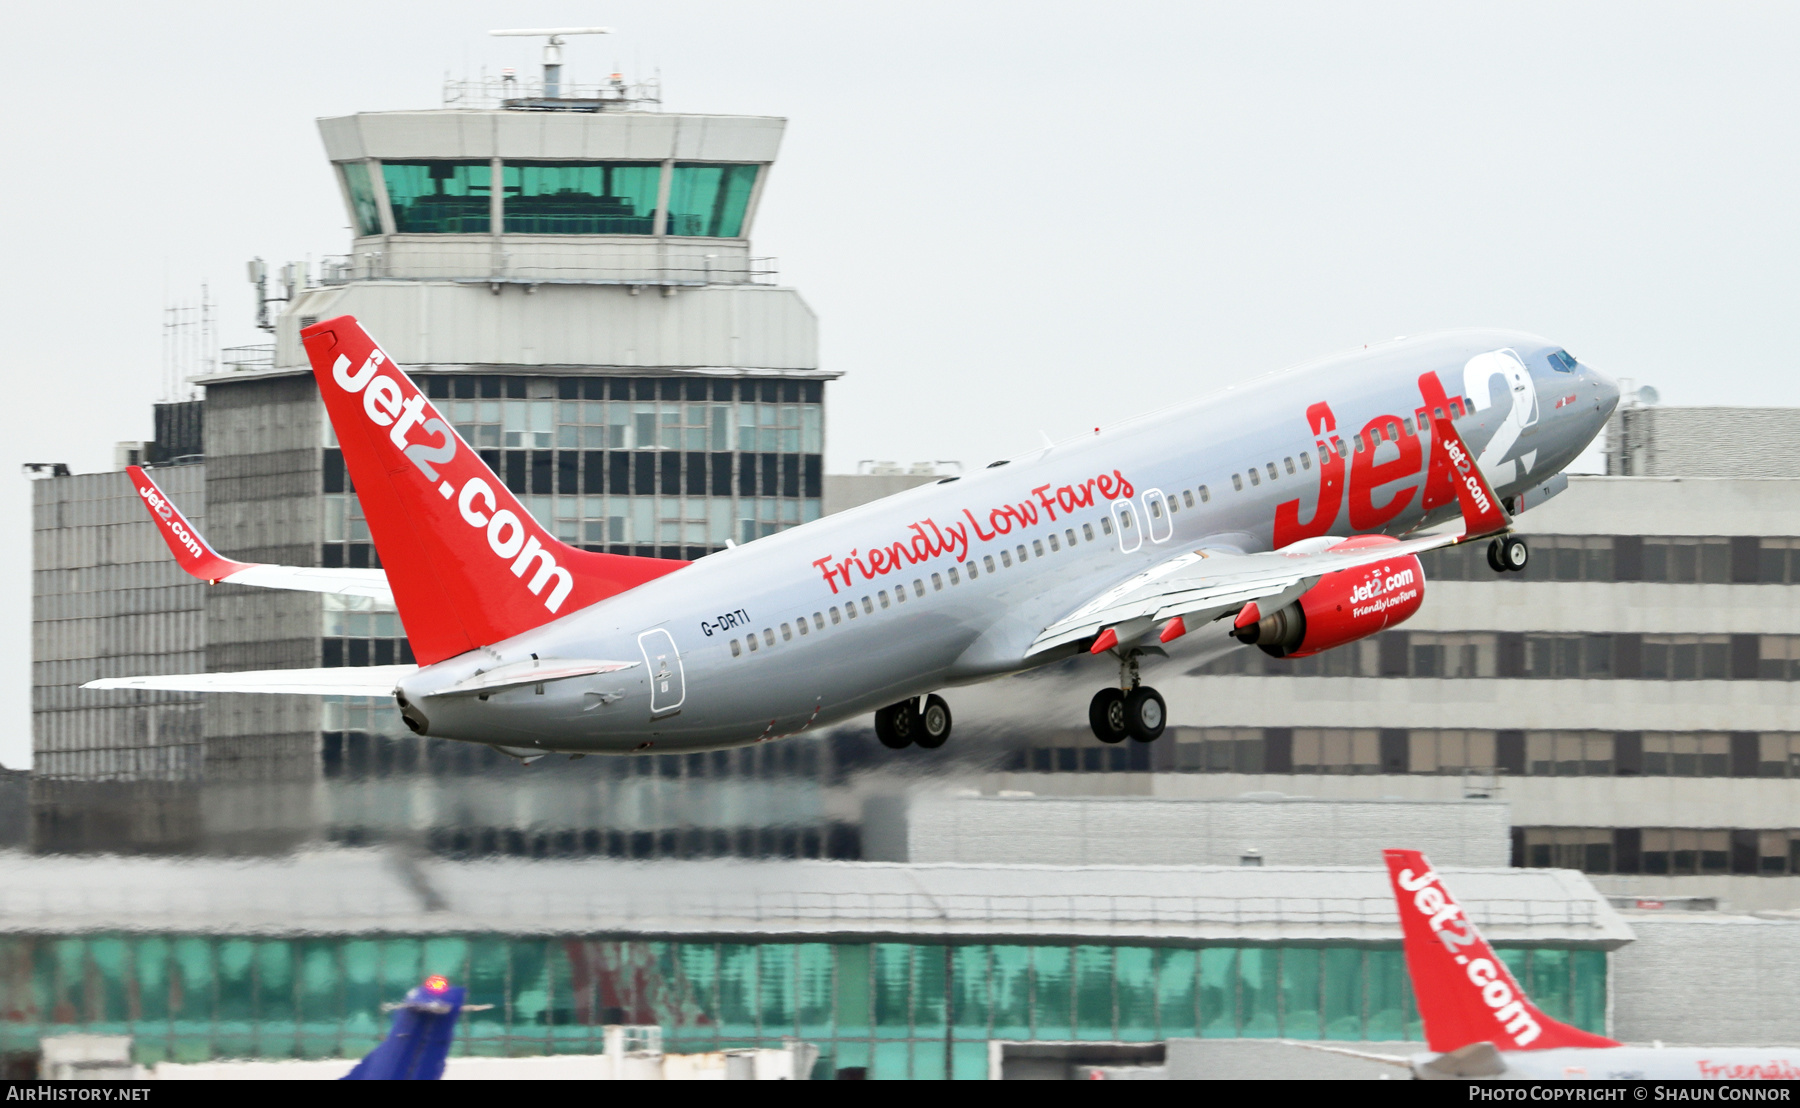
[
  {"x": 342, "y": 681},
  {"x": 517, "y": 675}
]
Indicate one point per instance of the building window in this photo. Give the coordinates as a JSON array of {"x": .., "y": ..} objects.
[
  {"x": 362, "y": 198},
  {"x": 581, "y": 198},
  {"x": 438, "y": 198},
  {"x": 710, "y": 200}
]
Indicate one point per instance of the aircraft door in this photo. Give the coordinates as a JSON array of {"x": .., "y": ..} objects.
[
  {"x": 1131, "y": 535},
  {"x": 1157, "y": 518},
  {"x": 668, "y": 683}
]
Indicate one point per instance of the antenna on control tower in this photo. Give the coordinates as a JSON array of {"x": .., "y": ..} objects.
[{"x": 554, "y": 40}]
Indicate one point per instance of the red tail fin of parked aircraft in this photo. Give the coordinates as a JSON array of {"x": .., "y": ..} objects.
[
  {"x": 467, "y": 563},
  {"x": 1464, "y": 991}
]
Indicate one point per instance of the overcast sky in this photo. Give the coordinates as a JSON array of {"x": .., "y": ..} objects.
[{"x": 1008, "y": 217}]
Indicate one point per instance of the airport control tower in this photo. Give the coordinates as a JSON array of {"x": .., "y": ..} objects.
[{"x": 568, "y": 272}]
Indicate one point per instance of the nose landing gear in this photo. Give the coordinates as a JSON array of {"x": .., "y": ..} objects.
[
  {"x": 907, "y": 723},
  {"x": 1134, "y": 711}
]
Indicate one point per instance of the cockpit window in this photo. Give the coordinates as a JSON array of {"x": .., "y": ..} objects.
[{"x": 1562, "y": 361}]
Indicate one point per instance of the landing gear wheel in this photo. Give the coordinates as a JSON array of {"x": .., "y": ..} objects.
[
  {"x": 1494, "y": 562},
  {"x": 1106, "y": 715},
  {"x": 1514, "y": 554},
  {"x": 897, "y": 725},
  {"x": 934, "y": 723},
  {"x": 1145, "y": 714}
]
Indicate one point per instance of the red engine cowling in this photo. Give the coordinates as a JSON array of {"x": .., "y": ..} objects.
[{"x": 1344, "y": 606}]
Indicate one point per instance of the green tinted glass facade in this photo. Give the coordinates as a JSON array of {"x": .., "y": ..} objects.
[
  {"x": 439, "y": 198},
  {"x": 900, "y": 1010},
  {"x": 362, "y": 198},
  {"x": 582, "y": 198},
  {"x": 710, "y": 200}
]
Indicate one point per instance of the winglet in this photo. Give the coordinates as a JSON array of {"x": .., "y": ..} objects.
[
  {"x": 1482, "y": 511},
  {"x": 192, "y": 552},
  {"x": 1465, "y": 993}
]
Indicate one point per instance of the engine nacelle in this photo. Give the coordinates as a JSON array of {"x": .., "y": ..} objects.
[{"x": 1344, "y": 606}]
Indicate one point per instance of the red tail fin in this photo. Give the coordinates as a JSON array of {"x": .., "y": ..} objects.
[
  {"x": 1464, "y": 991},
  {"x": 468, "y": 565}
]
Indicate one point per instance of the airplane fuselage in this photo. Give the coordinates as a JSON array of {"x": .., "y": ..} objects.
[{"x": 951, "y": 582}]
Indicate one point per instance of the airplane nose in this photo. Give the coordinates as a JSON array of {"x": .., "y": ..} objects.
[{"x": 1606, "y": 392}]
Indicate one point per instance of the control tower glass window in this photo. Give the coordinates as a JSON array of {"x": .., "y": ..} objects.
[
  {"x": 710, "y": 200},
  {"x": 581, "y": 198},
  {"x": 439, "y": 198},
  {"x": 362, "y": 198}
]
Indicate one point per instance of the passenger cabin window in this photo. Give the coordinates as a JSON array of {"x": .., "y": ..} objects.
[
  {"x": 819, "y": 620},
  {"x": 1407, "y": 423},
  {"x": 750, "y": 641},
  {"x": 736, "y": 648},
  {"x": 1255, "y": 479},
  {"x": 800, "y": 625},
  {"x": 987, "y": 560},
  {"x": 972, "y": 571},
  {"x": 1188, "y": 496},
  {"x": 868, "y": 606},
  {"x": 1070, "y": 535},
  {"x": 1289, "y": 462},
  {"x": 937, "y": 582},
  {"x": 1204, "y": 495},
  {"x": 1393, "y": 430},
  {"x": 1237, "y": 482},
  {"x": 834, "y": 615},
  {"x": 883, "y": 595},
  {"x": 1106, "y": 524},
  {"x": 919, "y": 587},
  {"x": 1156, "y": 509},
  {"x": 768, "y": 636},
  {"x": 1053, "y": 544},
  {"x": 1087, "y": 531},
  {"x": 1272, "y": 473},
  {"x": 952, "y": 572}
]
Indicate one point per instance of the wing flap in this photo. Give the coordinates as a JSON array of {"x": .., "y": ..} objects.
[
  {"x": 345, "y": 681},
  {"x": 517, "y": 675}
]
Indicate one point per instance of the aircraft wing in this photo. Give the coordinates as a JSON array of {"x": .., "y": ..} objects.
[
  {"x": 1202, "y": 585},
  {"x": 343, "y": 681},
  {"x": 195, "y": 555}
]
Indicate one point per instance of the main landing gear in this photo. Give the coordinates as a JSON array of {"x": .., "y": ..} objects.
[
  {"x": 909, "y": 723},
  {"x": 1134, "y": 710},
  {"x": 1508, "y": 554}
]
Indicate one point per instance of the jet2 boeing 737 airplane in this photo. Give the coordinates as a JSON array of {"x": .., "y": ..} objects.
[
  {"x": 1286, "y": 512},
  {"x": 1481, "y": 1024}
]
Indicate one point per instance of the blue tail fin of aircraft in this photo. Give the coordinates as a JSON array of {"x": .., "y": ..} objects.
[{"x": 419, "y": 1041}]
